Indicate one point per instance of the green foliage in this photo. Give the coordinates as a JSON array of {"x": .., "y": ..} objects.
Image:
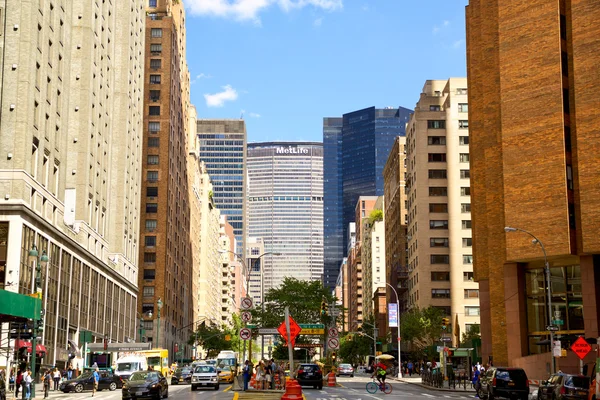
[
  {"x": 375, "y": 216},
  {"x": 213, "y": 338},
  {"x": 354, "y": 348},
  {"x": 473, "y": 333},
  {"x": 423, "y": 328}
]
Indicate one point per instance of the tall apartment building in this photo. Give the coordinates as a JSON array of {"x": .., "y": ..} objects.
[
  {"x": 355, "y": 164},
  {"x": 166, "y": 205},
  {"x": 223, "y": 149},
  {"x": 70, "y": 134},
  {"x": 285, "y": 209},
  {"x": 373, "y": 258},
  {"x": 227, "y": 272},
  {"x": 440, "y": 255},
  {"x": 534, "y": 164},
  {"x": 255, "y": 248},
  {"x": 395, "y": 220}
]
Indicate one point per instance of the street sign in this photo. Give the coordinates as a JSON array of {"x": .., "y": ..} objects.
[
  {"x": 558, "y": 322},
  {"x": 246, "y": 316},
  {"x": 552, "y": 328},
  {"x": 294, "y": 330},
  {"x": 557, "y": 314},
  {"x": 333, "y": 343},
  {"x": 440, "y": 349},
  {"x": 312, "y": 326},
  {"x": 446, "y": 339},
  {"x": 245, "y": 334},
  {"x": 333, "y": 332},
  {"x": 246, "y": 303},
  {"x": 267, "y": 331},
  {"x": 308, "y": 331},
  {"x": 581, "y": 347}
]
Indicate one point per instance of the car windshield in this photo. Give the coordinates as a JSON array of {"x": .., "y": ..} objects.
[
  {"x": 128, "y": 366},
  {"x": 308, "y": 367},
  {"x": 517, "y": 375},
  {"x": 144, "y": 376},
  {"x": 154, "y": 361},
  {"x": 85, "y": 375},
  {"x": 186, "y": 370},
  {"x": 345, "y": 366},
  {"x": 578, "y": 381},
  {"x": 204, "y": 369}
]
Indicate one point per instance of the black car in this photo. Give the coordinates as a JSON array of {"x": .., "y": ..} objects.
[
  {"x": 182, "y": 375},
  {"x": 310, "y": 375},
  {"x": 564, "y": 386},
  {"x": 146, "y": 384},
  {"x": 505, "y": 382},
  {"x": 85, "y": 381}
]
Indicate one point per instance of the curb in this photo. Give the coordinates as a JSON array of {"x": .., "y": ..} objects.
[{"x": 435, "y": 388}]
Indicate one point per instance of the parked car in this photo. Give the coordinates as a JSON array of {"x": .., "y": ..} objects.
[
  {"x": 506, "y": 382},
  {"x": 85, "y": 381},
  {"x": 310, "y": 375},
  {"x": 345, "y": 369},
  {"x": 205, "y": 375},
  {"x": 151, "y": 384},
  {"x": 564, "y": 386},
  {"x": 182, "y": 375}
]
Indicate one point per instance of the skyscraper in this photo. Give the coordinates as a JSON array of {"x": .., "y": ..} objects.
[
  {"x": 223, "y": 150},
  {"x": 285, "y": 209},
  {"x": 355, "y": 165}
]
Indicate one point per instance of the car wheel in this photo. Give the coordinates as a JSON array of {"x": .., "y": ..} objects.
[
  {"x": 79, "y": 388},
  {"x": 166, "y": 394},
  {"x": 193, "y": 388},
  {"x": 320, "y": 387},
  {"x": 112, "y": 387},
  {"x": 352, "y": 376},
  {"x": 217, "y": 387}
]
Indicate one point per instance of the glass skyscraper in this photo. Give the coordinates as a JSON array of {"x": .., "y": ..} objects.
[
  {"x": 285, "y": 210},
  {"x": 223, "y": 150},
  {"x": 356, "y": 155}
]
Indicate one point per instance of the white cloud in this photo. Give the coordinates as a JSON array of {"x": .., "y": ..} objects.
[
  {"x": 457, "y": 43},
  {"x": 219, "y": 99},
  {"x": 254, "y": 115},
  {"x": 318, "y": 22},
  {"x": 200, "y": 76},
  {"x": 438, "y": 28},
  {"x": 248, "y": 10}
]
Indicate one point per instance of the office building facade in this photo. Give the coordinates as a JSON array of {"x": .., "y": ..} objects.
[
  {"x": 285, "y": 208},
  {"x": 223, "y": 150},
  {"x": 534, "y": 165},
  {"x": 440, "y": 256},
  {"x": 71, "y": 133}
]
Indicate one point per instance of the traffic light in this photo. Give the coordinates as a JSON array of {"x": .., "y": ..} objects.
[
  {"x": 350, "y": 337},
  {"x": 333, "y": 356},
  {"x": 445, "y": 322},
  {"x": 323, "y": 308}
]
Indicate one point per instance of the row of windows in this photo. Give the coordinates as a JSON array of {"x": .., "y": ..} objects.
[
  {"x": 441, "y": 157},
  {"x": 286, "y": 198},
  {"x": 462, "y": 107},
  {"x": 444, "y": 242},
  {"x": 443, "y": 224},
  {"x": 441, "y": 140},
  {"x": 445, "y": 259},
  {"x": 443, "y": 191}
]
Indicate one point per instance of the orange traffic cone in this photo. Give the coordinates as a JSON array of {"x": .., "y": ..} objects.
[
  {"x": 253, "y": 381},
  {"x": 293, "y": 391},
  {"x": 331, "y": 380}
]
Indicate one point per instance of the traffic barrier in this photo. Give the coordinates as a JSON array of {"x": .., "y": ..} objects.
[
  {"x": 331, "y": 380},
  {"x": 253, "y": 381},
  {"x": 534, "y": 382},
  {"x": 293, "y": 391}
]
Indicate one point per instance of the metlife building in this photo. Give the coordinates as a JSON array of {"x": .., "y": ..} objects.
[{"x": 285, "y": 209}]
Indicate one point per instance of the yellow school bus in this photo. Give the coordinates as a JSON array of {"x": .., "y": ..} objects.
[{"x": 158, "y": 359}]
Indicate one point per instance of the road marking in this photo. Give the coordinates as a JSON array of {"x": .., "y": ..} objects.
[
  {"x": 228, "y": 388},
  {"x": 236, "y": 395},
  {"x": 428, "y": 395}
]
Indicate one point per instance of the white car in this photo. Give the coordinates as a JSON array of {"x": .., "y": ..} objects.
[{"x": 205, "y": 375}]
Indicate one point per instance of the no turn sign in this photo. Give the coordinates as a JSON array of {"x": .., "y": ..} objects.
[
  {"x": 245, "y": 334},
  {"x": 246, "y": 316},
  {"x": 333, "y": 343},
  {"x": 246, "y": 303},
  {"x": 333, "y": 332}
]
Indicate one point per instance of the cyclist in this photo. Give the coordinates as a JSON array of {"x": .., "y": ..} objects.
[{"x": 379, "y": 371}]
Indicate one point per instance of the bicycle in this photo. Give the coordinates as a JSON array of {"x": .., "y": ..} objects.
[{"x": 372, "y": 387}]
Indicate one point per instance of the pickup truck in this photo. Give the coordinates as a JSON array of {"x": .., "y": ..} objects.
[{"x": 205, "y": 375}]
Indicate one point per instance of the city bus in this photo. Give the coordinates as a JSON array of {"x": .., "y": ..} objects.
[{"x": 158, "y": 359}]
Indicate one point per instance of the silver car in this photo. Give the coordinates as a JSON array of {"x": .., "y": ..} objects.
[{"x": 345, "y": 369}]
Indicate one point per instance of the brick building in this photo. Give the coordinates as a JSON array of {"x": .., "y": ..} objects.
[{"x": 534, "y": 166}]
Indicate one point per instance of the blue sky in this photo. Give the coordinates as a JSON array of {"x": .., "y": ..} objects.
[{"x": 286, "y": 64}]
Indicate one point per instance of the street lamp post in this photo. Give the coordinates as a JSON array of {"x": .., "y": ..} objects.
[
  {"x": 38, "y": 323},
  {"x": 159, "y": 305},
  {"x": 398, "y": 311},
  {"x": 508, "y": 229}
]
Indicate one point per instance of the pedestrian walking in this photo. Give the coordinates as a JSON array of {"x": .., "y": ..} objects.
[
  {"x": 96, "y": 376},
  {"x": 260, "y": 375},
  {"x": 18, "y": 383},
  {"x": 69, "y": 370},
  {"x": 56, "y": 378},
  {"x": 246, "y": 372},
  {"x": 47, "y": 379},
  {"x": 268, "y": 374},
  {"x": 27, "y": 381},
  {"x": 410, "y": 368},
  {"x": 11, "y": 381},
  {"x": 281, "y": 372}
]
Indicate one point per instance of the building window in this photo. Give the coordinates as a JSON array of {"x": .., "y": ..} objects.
[
  {"x": 436, "y": 124},
  {"x": 152, "y": 176},
  {"x": 467, "y": 242},
  {"x": 462, "y": 91},
  {"x": 465, "y": 174},
  {"x": 152, "y": 3},
  {"x": 155, "y": 48},
  {"x": 467, "y": 259},
  {"x": 152, "y": 191},
  {"x": 438, "y": 224},
  {"x": 154, "y": 95},
  {"x": 467, "y": 276},
  {"x": 471, "y": 311},
  {"x": 463, "y": 124},
  {"x": 150, "y": 225},
  {"x": 436, "y": 140},
  {"x": 438, "y": 191},
  {"x": 440, "y": 259},
  {"x": 155, "y": 63},
  {"x": 149, "y": 274},
  {"x": 154, "y": 127},
  {"x": 569, "y": 177},
  {"x": 436, "y": 157},
  {"x": 465, "y": 191},
  {"x": 463, "y": 107},
  {"x": 438, "y": 242},
  {"x": 438, "y": 207},
  {"x": 464, "y": 157},
  {"x": 153, "y": 142},
  {"x": 463, "y": 140},
  {"x": 465, "y": 207},
  {"x": 152, "y": 208},
  {"x": 435, "y": 108},
  {"x": 154, "y": 110},
  {"x": 440, "y": 276},
  {"x": 150, "y": 241},
  {"x": 153, "y": 160},
  {"x": 471, "y": 293},
  {"x": 148, "y": 291},
  {"x": 149, "y": 257},
  {"x": 438, "y": 174},
  {"x": 440, "y": 293},
  {"x": 156, "y": 32},
  {"x": 466, "y": 224},
  {"x": 155, "y": 79}
]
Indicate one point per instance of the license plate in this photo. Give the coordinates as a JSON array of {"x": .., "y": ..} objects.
[
  {"x": 511, "y": 384},
  {"x": 203, "y": 384},
  {"x": 309, "y": 374},
  {"x": 139, "y": 393},
  {"x": 581, "y": 393},
  {"x": 180, "y": 379}
]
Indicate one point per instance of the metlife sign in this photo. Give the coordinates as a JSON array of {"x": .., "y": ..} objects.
[
  {"x": 393, "y": 315},
  {"x": 291, "y": 150}
]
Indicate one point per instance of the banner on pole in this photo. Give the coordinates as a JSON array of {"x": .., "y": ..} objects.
[{"x": 393, "y": 315}]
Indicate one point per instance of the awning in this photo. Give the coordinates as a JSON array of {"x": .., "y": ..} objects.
[
  {"x": 18, "y": 307},
  {"x": 39, "y": 348},
  {"x": 74, "y": 349}
]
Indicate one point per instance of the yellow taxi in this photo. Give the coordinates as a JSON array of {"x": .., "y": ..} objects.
[{"x": 225, "y": 375}]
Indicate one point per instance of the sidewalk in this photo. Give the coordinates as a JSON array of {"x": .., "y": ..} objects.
[
  {"x": 416, "y": 380},
  {"x": 39, "y": 393}
]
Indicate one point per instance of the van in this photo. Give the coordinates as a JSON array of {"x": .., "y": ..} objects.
[{"x": 129, "y": 364}]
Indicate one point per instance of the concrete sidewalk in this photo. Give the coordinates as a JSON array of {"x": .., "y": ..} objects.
[{"x": 416, "y": 380}]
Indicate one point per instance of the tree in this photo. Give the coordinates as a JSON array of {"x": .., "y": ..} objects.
[
  {"x": 474, "y": 332},
  {"x": 375, "y": 216},
  {"x": 211, "y": 338},
  {"x": 422, "y": 328},
  {"x": 354, "y": 348}
]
